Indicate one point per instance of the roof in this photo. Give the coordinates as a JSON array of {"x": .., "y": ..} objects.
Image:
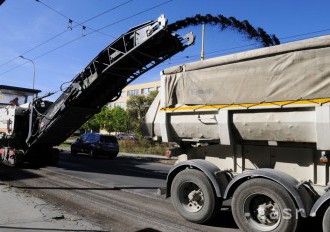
[{"x": 20, "y": 89}]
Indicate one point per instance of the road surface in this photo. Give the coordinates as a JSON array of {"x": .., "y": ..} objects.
[
  {"x": 117, "y": 195},
  {"x": 135, "y": 174}
]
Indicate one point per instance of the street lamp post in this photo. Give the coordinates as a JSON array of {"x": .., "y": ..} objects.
[
  {"x": 31, "y": 105},
  {"x": 34, "y": 69}
]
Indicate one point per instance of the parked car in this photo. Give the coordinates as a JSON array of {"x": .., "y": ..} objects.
[
  {"x": 121, "y": 136},
  {"x": 133, "y": 137},
  {"x": 96, "y": 144},
  {"x": 126, "y": 137}
]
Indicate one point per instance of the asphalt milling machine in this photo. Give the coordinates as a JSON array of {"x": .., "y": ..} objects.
[{"x": 30, "y": 130}]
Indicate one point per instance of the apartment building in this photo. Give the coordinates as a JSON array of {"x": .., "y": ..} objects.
[{"x": 132, "y": 90}]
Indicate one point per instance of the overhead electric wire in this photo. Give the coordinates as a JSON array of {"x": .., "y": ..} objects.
[
  {"x": 51, "y": 8},
  {"x": 66, "y": 30},
  {"x": 215, "y": 51},
  {"x": 92, "y": 32},
  {"x": 112, "y": 24},
  {"x": 96, "y": 16},
  {"x": 248, "y": 45},
  {"x": 136, "y": 14},
  {"x": 304, "y": 34},
  {"x": 71, "y": 20}
]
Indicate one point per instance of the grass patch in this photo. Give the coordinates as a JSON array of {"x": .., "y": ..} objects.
[
  {"x": 66, "y": 144},
  {"x": 69, "y": 141},
  {"x": 142, "y": 147}
]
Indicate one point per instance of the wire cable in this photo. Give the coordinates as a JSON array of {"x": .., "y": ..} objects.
[
  {"x": 249, "y": 45},
  {"x": 52, "y": 9},
  {"x": 134, "y": 15},
  {"x": 109, "y": 25},
  {"x": 304, "y": 34},
  {"x": 66, "y": 30},
  {"x": 92, "y": 32},
  {"x": 82, "y": 24}
]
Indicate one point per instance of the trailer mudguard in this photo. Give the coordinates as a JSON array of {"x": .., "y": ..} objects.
[
  {"x": 324, "y": 199},
  {"x": 218, "y": 179},
  {"x": 297, "y": 191}
]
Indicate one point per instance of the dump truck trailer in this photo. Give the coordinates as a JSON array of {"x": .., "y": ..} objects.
[
  {"x": 30, "y": 130},
  {"x": 253, "y": 127}
]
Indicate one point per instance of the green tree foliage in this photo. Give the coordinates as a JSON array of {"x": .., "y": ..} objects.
[
  {"x": 99, "y": 121},
  {"x": 104, "y": 118},
  {"x": 91, "y": 124},
  {"x": 137, "y": 107},
  {"x": 115, "y": 119},
  {"x": 119, "y": 119}
]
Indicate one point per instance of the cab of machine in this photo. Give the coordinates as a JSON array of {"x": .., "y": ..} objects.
[{"x": 16, "y": 96}]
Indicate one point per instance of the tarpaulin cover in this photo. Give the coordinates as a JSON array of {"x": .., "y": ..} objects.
[{"x": 292, "y": 71}]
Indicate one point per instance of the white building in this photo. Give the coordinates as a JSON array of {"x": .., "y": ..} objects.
[{"x": 132, "y": 90}]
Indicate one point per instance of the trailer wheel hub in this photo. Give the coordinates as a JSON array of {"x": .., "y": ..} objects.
[
  {"x": 267, "y": 214},
  {"x": 262, "y": 212},
  {"x": 191, "y": 197}
]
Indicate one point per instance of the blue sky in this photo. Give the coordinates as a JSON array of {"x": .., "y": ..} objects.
[{"x": 27, "y": 23}]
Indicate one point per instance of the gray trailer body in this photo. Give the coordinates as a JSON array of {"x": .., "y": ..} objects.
[
  {"x": 283, "y": 89},
  {"x": 265, "y": 111},
  {"x": 267, "y": 108}
]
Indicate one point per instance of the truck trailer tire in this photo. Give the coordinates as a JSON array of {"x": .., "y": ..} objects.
[
  {"x": 264, "y": 205},
  {"x": 193, "y": 196},
  {"x": 326, "y": 221}
]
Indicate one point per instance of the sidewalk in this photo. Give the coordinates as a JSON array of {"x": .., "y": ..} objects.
[
  {"x": 21, "y": 212},
  {"x": 134, "y": 155},
  {"x": 146, "y": 156}
]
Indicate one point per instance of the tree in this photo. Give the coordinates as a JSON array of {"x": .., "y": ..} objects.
[
  {"x": 104, "y": 119},
  {"x": 99, "y": 121},
  {"x": 119, "y": 119},
  {"x": 115, "y": 119},
  {"x": 137, "y": 107},
  {"x": 91, "y": 124}
]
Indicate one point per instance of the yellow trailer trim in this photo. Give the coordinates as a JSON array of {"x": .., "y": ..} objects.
[{"x": 318, "y": 101}]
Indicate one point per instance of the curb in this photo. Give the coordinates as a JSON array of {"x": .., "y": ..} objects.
[{"x": 135, "y": 155}]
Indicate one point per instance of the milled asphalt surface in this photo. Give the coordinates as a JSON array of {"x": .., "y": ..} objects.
[{"x": 19, "y": 211}]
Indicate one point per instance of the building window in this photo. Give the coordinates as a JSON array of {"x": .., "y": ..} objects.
[
  {"x": 158, "y": 88},
  {"x": 132, "y": 92},
  {"x": 147, "y": 90},
  {"x": 123, "y": 94}
]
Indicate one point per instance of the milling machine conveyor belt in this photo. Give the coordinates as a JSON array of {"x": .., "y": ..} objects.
[{"x": 134, "y": 53}]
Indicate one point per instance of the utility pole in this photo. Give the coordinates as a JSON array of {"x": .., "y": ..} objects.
[{"x": 203, "y": 37}]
